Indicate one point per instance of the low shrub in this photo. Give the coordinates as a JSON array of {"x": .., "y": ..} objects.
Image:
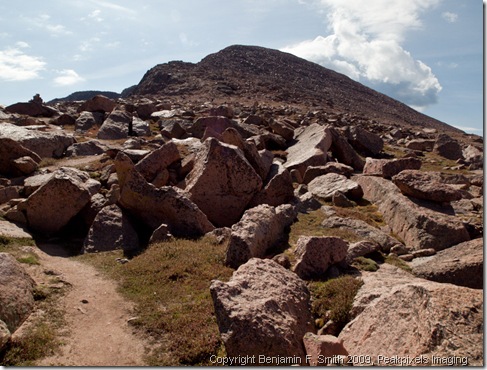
[
  {"x": 365, "y": 264},
  {"x": 396, "y": 261},
  {"x": 333, "y": 299}
]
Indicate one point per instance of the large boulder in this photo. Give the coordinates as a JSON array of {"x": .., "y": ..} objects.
[
  {"x": 314, "y": 255},
  {"x": 32, "y": 183},
  {"x": 418, "y": 226},
  {"x": 111, "y": 230},
  {"x": 421, "y": 185},
  {"x": 58, "y": 200},
  {"x": 406, "y": 317},
  {"x": 447, "y": 147},
  {"x": 387, "y": 168},
  {"x": 258, "y": 230},
  {"x": 86, "y": 148},
  {"x": 461, "y": 264},
  {"x": 156, "y": 206},
  {"x": 326, "y": 185},
  {"x": 44, "y": 144},
  {"x": 260, "y": 161},
  {"x": 16, "y": 292},
  {"x": 25, "y": 165},
  {"x": 140, "y": 127},
  {"x": 98, "y": 103},
  {"x": 364, "y": 141},
  {"x": 88, "y": 120},
  {"x": 278, "y": 187},
  {"x": 363, "y": 230},
  {"x": 344, "y": 152},
  {"x": 215, "y": 125},
  {"x": 12, "y": 230},
  {"x": 474, "y": 156},
  {"x": 157, "y": 161},
  {"x": 283, "y": 129},
  {"x": 116, "y": 126},
  {"x": 222, "y": 182},
  {"x": 361, "y": 249},
  {"x": 5, "y": 334},
  {"x": 10, "y": 151},
  {"x": 324, "y": 350},
  {"x": 310, "y": 149},
  {"x": 331, "y": 167},
  {"x": 32, "y": 109},
  {"x": 422, "y": 145},
  {"x": 9, "y": 192},
  {"x": 263, "y": 310}
]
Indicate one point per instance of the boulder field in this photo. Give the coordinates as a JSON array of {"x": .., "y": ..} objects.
[{"x": 122, "y": 174}]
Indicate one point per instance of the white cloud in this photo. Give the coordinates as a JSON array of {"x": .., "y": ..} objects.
[
  {"x": 365, "y": 44},
  {"x": 450, "y": 17},
  {"x": 43, "y": 21},
  {"x": 22, "y": 45},
  {"x": 183, "y": 38},
  {"x": 95, "y": 15},
  {"x": 113, "y": 7},
  {"x": 89, "y": 45},
  {"x": 469, "y": 129},
  {"x": 68, "y": 77},
  {"x": 451, "y": 65},
  {"x": 15, "y": 65}
]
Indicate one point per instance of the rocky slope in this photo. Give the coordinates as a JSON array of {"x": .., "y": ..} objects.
[
  {"x": 292, "y": 139},
  {"x": 261, "y": 74},
  {"x": 85, "y": 95}
]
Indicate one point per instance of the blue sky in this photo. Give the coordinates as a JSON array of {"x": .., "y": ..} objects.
[{"x": 425, "y": 53}]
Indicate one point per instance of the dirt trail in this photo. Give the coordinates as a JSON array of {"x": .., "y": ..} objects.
[{"x": 96, "y": 316}]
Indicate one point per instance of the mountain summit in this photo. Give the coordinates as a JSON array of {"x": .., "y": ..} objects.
[{"x": 267, "y": 75}]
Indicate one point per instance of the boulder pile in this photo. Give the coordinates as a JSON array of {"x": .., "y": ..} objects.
[{"x": 121, "y": 174}]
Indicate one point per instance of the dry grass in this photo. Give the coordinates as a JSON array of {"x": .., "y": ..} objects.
[
  {"x": 41, "y": 338},
  {"x": 13, "y": 245},
  {"x": 170, "y": 283},
  {"x": 395, "y": 151},
  {"x": 364, "y": 211},
  {"x": 435, "y": 162},
  {"x": 309, "y": 224},
  {"x": 46, "y": 162}
]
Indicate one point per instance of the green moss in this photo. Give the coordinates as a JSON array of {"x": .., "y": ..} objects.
[
  {"x": 365, "y": 264},
  {"x": 396, "y": 261},
  {"x": 29, "y": 259}
]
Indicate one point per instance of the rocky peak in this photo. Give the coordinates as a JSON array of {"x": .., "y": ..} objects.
[{"x": 267, "y": 75}]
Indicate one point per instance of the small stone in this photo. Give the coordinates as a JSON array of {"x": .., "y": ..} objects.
[
  {"x": 424, "y": 252},
  {"x": 407, "y": 257}
]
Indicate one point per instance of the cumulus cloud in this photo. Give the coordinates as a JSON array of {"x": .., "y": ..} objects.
[
  {"x": 365, "y": 44},
  {"x": 450, "y": 17},
  {"x": 68, "y": 77},
  {"x": 15, "y": 65}
]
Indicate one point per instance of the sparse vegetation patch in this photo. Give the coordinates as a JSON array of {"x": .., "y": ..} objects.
[
  {"x": 170, "y": 282},
  {"x": 333, "y": 299}
]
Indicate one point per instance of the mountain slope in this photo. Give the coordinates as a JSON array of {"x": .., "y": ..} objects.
[
  {"x": 85, "y": 95},
  {"x": 266, "y": 75}
]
